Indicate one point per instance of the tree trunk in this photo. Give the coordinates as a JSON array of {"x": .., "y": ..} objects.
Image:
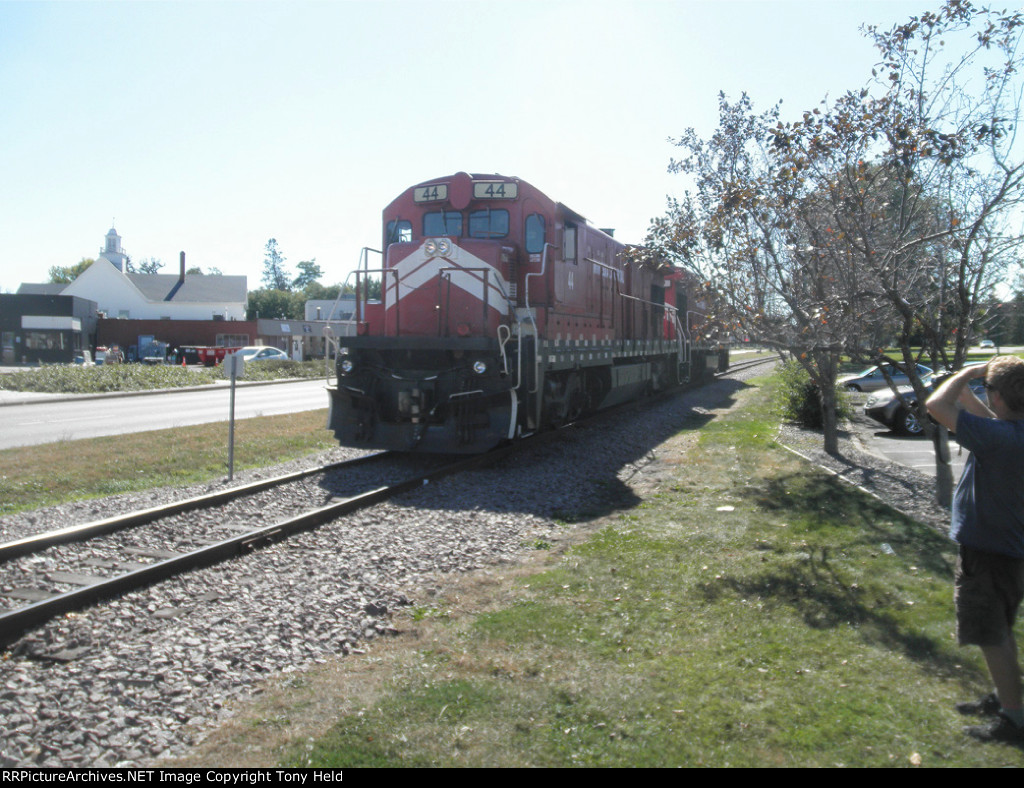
[
  {"x": 943, "y": 467},
  {"x": 829, "y": 422}
]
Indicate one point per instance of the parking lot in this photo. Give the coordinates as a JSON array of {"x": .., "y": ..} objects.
[{"x": 917, "y": 453}]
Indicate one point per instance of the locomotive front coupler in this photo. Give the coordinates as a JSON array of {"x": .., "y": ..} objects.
[{"x": 410, "y": 403}]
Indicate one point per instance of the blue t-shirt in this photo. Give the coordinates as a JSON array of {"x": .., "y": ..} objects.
[{"x": 988, "y": 506}]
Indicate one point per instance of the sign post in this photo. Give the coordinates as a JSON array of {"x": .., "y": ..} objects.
[{"x": 236, "y": 369}]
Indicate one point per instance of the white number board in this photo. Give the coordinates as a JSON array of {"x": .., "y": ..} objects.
[
  {"x": 495, "y": 190},
  {"x": 438, "y": 191}
]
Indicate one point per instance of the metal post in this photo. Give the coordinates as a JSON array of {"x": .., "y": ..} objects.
[{"x": 236, "y": 368}]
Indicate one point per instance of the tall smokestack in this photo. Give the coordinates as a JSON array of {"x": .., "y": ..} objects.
[{"x": 181, "y": 276}]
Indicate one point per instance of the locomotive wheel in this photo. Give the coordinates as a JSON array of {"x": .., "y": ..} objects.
[
  {"x": 574, "y": 399},
  {"x": 564, "y": 399}
]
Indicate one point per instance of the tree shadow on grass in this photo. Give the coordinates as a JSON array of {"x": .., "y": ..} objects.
[
  {"x": 834, "y": 519},
  {"x": 813, "y": 592},
  {"x": 826, "y": 507}
]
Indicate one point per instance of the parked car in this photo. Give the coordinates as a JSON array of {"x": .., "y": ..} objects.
[
  {"x": 986, "y": 343},
  {"x": 258, "y": 353},
  {"x": 872, "y": 379},
  {"x": 886, "y": 408}
]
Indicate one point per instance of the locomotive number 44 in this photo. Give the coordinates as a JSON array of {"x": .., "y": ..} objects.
[
  {"x": 495, "y": 190},
  {"x": 430, "y": 193}
]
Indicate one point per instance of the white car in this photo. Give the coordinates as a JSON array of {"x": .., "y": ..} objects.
[{"x": 261, "y": 353}]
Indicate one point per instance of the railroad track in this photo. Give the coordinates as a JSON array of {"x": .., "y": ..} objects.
[
  {"x": 738, "y": 367},
  {"x": 89, "y": 570}
]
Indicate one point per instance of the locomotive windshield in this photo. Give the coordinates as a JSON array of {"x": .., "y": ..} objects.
[
  {"x": 485, "y": 223},
  {"x": 442, "y": 223},
  {"x": 488, "y": 224},
  {"x": 534, "y": 233}
]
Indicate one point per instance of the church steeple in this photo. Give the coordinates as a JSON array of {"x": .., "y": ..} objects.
[{"x": 111, "y": 251}]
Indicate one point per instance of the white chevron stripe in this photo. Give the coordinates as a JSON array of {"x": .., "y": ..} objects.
[{"x": 418, "y": 269}]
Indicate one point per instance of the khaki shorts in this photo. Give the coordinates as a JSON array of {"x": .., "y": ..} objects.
[{"x": 988, "y": 589}]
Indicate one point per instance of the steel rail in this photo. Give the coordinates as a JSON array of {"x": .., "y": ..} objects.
[
  {"x": 739, "y": 366},
  {"x": 76, "y": 533},
  {"x": 15, "y": 623}
]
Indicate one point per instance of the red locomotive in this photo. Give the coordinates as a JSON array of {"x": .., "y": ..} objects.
[{"x": 502, "y": 313}]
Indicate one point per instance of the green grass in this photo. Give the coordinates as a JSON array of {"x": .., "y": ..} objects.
[
  {"x": 810, "y": 625},
  {"x": 35, "y": 476}
]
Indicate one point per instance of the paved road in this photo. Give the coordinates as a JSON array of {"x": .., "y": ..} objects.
[{"x": 48, "y": 419}]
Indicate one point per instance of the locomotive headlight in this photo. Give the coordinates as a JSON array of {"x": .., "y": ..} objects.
[
  {"x": 479, "y": 367},
  {"x": 346, "y": 365},
  {"x": 437, "y": 247}
]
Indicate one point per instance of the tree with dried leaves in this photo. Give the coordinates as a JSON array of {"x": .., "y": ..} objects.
[{"x": 891, "y": 211}]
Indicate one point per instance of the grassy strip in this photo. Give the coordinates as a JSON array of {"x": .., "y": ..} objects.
[
  {"x": 34, "y": 476},
  {"x": 751, "y": 612},
  {"x": 69, "y": 379},
  {"x": 848, "y": 367}
]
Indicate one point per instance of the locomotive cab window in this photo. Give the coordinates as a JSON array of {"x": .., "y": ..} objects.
[
  {"x": 534, "y": 233},
  {"x": 399, "y": 231},
  {"x": 488, "y": 224},
  {"x": 442, "y": 223}
]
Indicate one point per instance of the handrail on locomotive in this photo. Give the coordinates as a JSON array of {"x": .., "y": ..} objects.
[
  {"x": 329, "y": 339},
  {"x": 363, "y": 271}
]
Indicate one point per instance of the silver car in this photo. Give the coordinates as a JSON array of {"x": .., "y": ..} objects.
[
  {"x": 886, "y": 407},
  {"x": 872, "y": 379}
]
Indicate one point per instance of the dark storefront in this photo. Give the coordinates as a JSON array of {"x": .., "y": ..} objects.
[{"x": 44, "y": 329}]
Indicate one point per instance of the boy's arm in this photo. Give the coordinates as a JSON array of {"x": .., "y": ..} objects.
[{"x": 942, "y": 404}]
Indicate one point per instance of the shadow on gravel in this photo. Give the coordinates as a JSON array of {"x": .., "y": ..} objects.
[{"x": 583, "y": 474}]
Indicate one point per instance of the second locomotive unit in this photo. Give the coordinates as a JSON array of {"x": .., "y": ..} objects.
[{"x": 503, "y": 313}]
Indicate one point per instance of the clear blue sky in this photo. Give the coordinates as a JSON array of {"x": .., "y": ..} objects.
[{"x": 211, "y": 127}]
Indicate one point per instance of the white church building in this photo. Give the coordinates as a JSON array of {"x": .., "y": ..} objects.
[{"x": 178, "y": 296}]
